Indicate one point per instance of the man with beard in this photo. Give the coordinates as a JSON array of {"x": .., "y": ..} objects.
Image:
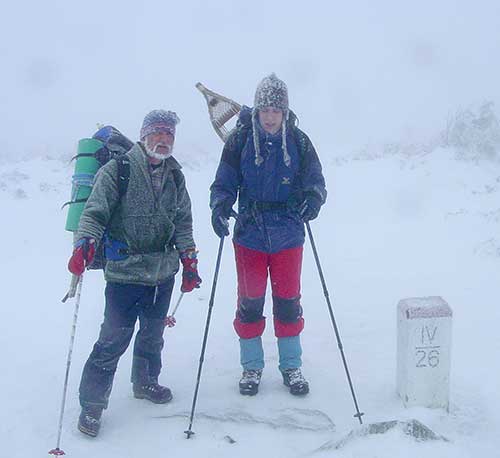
[{"x": 146, "y": 232}]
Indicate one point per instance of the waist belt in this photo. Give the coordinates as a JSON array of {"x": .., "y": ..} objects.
[
  {"x": 130, "y": 252},
  {"x": 116, "y": 250},
  {"x": 267, "y": 206}
]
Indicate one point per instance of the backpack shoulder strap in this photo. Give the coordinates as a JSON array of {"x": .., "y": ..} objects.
[
  {"x": 178, "y": 177},
  {"x": 301, "y": 141},
  {"x": 123, "y": 163},
  {"x": 233, "y": 147}
]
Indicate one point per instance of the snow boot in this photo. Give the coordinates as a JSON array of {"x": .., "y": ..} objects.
[
  {"x": 293, "y": 379},
  {"x": 153, "y": 392},
  {"x": 249, "y": 382},
  {"x": 89, "y": 421}
]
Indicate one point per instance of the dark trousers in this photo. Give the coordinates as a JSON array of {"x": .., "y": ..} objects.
[{"x": 124, "y": 304}]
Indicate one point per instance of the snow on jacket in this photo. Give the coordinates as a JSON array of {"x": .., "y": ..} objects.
[
  {"x": 154, "y": 228},
  {"x": 268, "y": 194}
]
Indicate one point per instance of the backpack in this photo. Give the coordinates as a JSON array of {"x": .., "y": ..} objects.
[{"x": 113, "y": 146}]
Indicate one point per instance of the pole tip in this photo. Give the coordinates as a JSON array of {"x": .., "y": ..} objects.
[
  {"x": 57, "y": 452},
  {"x": 189, "y": 433}
]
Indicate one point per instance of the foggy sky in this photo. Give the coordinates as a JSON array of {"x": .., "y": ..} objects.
[{"x": 357, "y": 72}]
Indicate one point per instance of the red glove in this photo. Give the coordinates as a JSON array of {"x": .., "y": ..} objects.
[
  {"x": 190, "y": 277},
  {"x": 83, "y": 255}
]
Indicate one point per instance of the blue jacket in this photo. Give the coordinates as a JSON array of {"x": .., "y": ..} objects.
[{"x": 268, "y": 194}]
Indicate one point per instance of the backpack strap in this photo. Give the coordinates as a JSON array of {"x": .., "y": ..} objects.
[
  {"x": 233, "y": 147},
  {"x": 300, "y": 140},
  {"x": 178, "y": 176},
  {"x": 123, "y": 163}
]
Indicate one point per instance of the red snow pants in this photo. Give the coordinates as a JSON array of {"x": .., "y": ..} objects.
[{"x": 284, "y": 269}]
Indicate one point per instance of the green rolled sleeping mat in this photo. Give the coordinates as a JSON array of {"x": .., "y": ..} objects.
[{"x": 86, "y": 166}]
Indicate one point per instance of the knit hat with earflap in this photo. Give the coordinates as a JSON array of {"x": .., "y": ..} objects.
[{"x": 271, "y": 92}]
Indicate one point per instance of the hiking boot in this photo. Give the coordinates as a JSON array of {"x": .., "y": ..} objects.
[
  {"x": 293, "y": 379},
  {"x": 89, "y": 421},
  {"x": 153, "y": 392},
  {"x": 249, "y": 382}
]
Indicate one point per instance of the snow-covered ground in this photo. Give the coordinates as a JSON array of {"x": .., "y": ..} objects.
[{"x": 393, "y": 228}]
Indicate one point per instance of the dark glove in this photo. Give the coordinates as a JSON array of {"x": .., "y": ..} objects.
[
  {"x": 190, "y": 277},
  {"x": 220, "y": 219},
  {"x": 309, "y": 208},
  {"x": 83, "y": 255}
]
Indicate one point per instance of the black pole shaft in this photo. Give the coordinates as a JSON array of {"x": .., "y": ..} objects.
[
  {"x": 189, "y": 432},
  {"x": 358, "y": 414}
]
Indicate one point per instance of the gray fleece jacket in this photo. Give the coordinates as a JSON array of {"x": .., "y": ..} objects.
[{"x": 155, "y": 229}]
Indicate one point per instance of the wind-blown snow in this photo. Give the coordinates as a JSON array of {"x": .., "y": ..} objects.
[{"x": 394, "y": 227}]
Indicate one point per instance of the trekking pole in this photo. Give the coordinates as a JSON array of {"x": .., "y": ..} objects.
[
  {"x": 358, "y": 414},
  {"x": 189, "y": 432},
  {"x": 57, "y": 451},
  {"x": 170, "y": 319}
]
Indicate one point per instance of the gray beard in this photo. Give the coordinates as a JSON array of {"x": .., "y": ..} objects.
[{"x": 154, "y": 154}]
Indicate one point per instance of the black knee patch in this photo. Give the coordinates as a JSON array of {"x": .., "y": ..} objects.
[
  {"x": 287, "y": 310},
  {"x": 250, "y": 310}
]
